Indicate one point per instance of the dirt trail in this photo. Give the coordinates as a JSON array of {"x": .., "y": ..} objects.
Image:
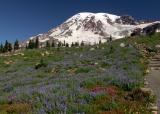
[{"x": 154, "y": 78}]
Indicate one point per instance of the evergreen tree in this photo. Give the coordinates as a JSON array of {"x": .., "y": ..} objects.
[
  {"x": 76, "y": 44},
  {"x": 110, "y": 39},
  {"x": 48, "y": 44},
  {"x": 31, "y": 44},
  {"x": 53, "y": 43},
  {"x": 100, "y": 42},
  {"x": 72, "y": 45},
  {"x": 10, "y": 47},
  {"x": 82, "y": 43},
  {"x": 1, "y": 48},
  {"x": 59, "y": 44},
  {"x": 16, "y": 45},
  {"x": 6, "y": 46},
  {"x": 67, "y": 45},
  {"x": 64, "y": 43},
  {"x": 37, "y": 43}
]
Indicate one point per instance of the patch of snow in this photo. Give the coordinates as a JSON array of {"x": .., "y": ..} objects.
[
  {"x": 43, "y": 40},
  {"x": 158, "y": 30}
]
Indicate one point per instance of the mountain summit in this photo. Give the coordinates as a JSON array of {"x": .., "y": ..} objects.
[{"x": 93, "y": 27}]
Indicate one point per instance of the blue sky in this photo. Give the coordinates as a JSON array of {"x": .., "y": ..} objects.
[{"x": 20, "y": 19}]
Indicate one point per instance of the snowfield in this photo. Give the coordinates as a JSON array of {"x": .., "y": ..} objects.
[{"x": 93, "y": 27}]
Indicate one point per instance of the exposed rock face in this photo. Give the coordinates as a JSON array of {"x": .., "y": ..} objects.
[
  {"x": 92, "y": 27},
  {"x": 151, "y": 29},
  {"x": 127, "y": 20},
  {"x": 137, "y": 32},
  {"x": 69, "y": 33}
]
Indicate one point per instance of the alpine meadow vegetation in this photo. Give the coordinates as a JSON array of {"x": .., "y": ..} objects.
[{"x": 104, "y": 78}]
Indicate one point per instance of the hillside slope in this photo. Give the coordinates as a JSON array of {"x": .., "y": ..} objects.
[{"x": 94, "y": 79}]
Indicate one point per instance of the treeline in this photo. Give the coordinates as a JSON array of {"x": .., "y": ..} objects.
[
  {"x": 9, "y": 47},
  {"x": 34, "y": 44}
]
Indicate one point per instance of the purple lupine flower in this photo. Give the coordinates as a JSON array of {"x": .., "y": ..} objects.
[{"x": 11, "y": 98}]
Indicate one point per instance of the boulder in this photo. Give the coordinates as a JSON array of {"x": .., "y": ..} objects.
[
  {"x": 96, "y": 63},
  {"x": 122, "y": 45},
  {"x": 157, "y": 46},
  {"x": 92, "y": 49},
  {"x": 154, "y": 108}
]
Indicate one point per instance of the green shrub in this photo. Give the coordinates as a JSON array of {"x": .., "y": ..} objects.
[
  {"x": 126, "y": 86},
  {"x": 40, "y": 64},
  {"x": 105, "y": 65},
  {"x": 151, "y": 49},
  {"x": 109, "y": 106},
  {"x": 142, "y": 96},
  {"x": 89, "y": 83},
  {"x": 91, "y": 99},
  {"x": 3, "y": 100},
  {"x": 83, "y": 70}
]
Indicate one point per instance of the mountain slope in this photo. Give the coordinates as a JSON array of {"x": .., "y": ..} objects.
[
  {"x": 54, "y": 81},
  {"x": 93, "y": 27}
]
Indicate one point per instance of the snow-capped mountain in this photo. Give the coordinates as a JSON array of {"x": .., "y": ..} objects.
[{"x": 93, "y": 27}]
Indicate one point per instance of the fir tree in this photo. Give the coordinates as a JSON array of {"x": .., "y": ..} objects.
[
  {"x": 53, "y": 43},
  {"x": 10, "y": 47},
  {"x": 100, "y": 42},
  {"x": 16, "y": 45},
  {"x": 1, "y": 48},
  {"x": 64, "y": 43},
  {"x": 48, "y": 44},
  {"x": 67, "y": 45},
  {"x": 82, "y": 43},
  {"x": 37, "y": 43},
  {"x": 6, "y": 46},
  {"x": 59, "y": 44},
  {"x": 110, "y": 39},
  {"x": 76, "y": 44},
  {"x": 72, "y": 45},
  {"x": 31, "y": 44}
]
